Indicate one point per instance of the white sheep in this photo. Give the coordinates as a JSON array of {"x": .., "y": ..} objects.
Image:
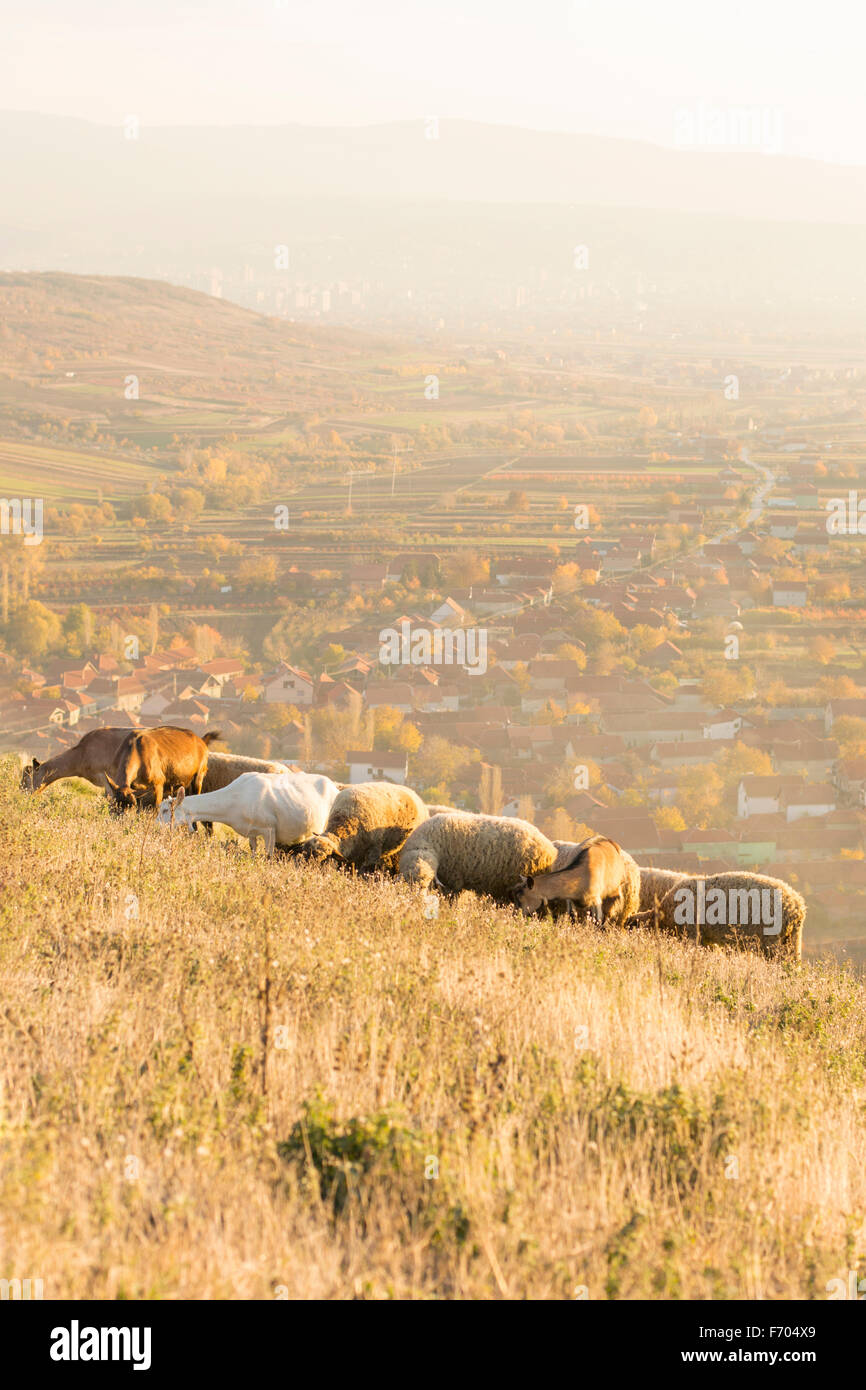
[{"x": 487, "y": 854}]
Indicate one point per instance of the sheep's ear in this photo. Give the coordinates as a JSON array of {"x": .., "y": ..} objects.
[
  {"x": 34, "y": 764},
  {"x": 528, "y": 882},
  {"x": 181, "y": 793},
  {"x": 111, "y": 782}
]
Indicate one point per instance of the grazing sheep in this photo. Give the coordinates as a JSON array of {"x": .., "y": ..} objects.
[
  {"x": 736, "y": 909},
  {"x": 487, "y": 854},
  {"x": 655, "y": 884},
  {"x": 223, "y": 768},
  {"x": 595, "y": 879},
  {"x": 368, "y": 825}
]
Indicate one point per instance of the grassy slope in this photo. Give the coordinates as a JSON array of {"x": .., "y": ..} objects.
[{"x": 584, "y": 1094}]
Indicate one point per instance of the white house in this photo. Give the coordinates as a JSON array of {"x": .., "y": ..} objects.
[
  {"x": 789, "y": 594},
  {"x": 451, "y": 614},
  {"x": 376, "y": 765},
  {"x": 726, "y": 724},
  {"x": 816, "y": 800},
  {"x": 762, "y": 796}
]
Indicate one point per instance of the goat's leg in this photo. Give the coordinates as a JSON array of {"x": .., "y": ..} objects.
[
  {"x": 592, "y": 913},
  {"x": 611, "y": 908}
]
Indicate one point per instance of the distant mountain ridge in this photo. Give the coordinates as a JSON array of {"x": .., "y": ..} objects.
[
  {"x": 59, "y": 165},
  {"x": 382, "y": 228}
]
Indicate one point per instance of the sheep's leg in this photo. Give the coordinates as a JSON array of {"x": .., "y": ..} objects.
[
  {"x": 270, "y": 838},
  {"x": 253, "y": 839}
]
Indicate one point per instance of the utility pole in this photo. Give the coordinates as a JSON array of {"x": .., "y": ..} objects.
[
  {"x": 356, "y": 473},
  {"x": 407, "y": 447}
]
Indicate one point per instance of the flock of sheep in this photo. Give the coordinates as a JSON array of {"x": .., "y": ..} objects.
[{"x": 387, "y": 828}]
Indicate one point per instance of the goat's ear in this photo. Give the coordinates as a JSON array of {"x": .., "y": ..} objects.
[
  {"x": 34, "y": 764},
  {"x": 529, "y": 881},
  {"x": 181, "y": 793}
]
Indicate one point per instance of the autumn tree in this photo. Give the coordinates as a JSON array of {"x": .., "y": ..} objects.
[
  {"x": 393, "y": 732},
  {"x": 850, "y": 734},
  {"x": 33, "y": 629},
  {"x": 699, "y": 794},
  {"x": 821, "y": 649},
  {"x": 490, "y": 790},
  {"x": 439, "y": 762},
  {"x": 78, "y": 629}
]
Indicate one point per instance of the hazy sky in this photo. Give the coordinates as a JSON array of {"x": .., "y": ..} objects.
[{"x": 619, "y": 67}]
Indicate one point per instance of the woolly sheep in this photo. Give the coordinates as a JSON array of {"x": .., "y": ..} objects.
[
  {"x": 488, "y": 854},
  {"x": 368, "y": 825},
  {"x": 736, "y": 909},
  {"x": 655, "y": 884},
  {"x": 595, "y": 879},
  {"x": 223, "y": 768}
]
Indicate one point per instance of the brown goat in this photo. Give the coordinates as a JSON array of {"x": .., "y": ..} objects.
[
  {"x": 155, "y": 761},
  {"x": 601, "y": 882},
  {"x": 89, "y": 759}
]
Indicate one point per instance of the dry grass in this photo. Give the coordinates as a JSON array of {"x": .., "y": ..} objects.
[{"x": 611, "y": 1112}]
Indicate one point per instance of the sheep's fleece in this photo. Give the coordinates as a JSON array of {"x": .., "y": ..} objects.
[
  {"x": 224, "y": 768},
  {"x": 368, "y": 824},
  {"x": 757, "y": 911},
  {"x": 487, "y": 854},
  {"x": 655, "y": 884}
]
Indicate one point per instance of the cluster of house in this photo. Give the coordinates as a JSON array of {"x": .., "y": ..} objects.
[
  {"x": 809, "y": 812},
  {"x": 70, "y": 697}
]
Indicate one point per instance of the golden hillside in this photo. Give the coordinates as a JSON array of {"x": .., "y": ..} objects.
[{"x": 230, "y": 1078}]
